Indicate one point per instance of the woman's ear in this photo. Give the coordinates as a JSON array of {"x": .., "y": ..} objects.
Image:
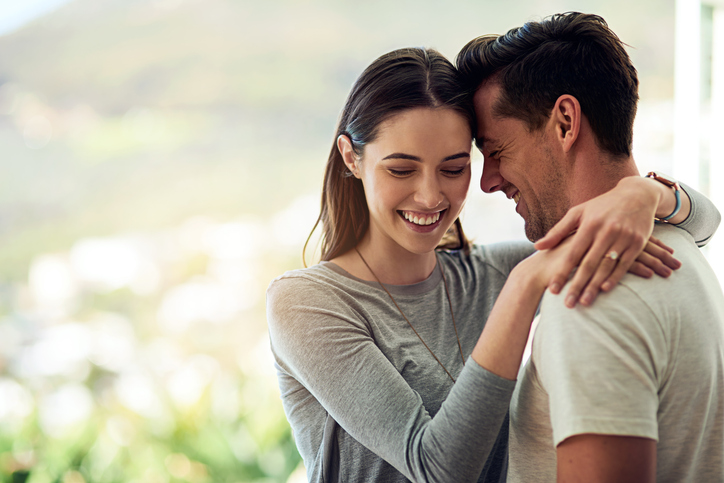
[{"x": 344, "y": 144}]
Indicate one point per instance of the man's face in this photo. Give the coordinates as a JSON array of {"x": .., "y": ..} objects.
[{"x": 524, "y": 165}]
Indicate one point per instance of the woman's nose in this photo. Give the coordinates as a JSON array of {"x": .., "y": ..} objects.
[{"x": 429, "y": 193}]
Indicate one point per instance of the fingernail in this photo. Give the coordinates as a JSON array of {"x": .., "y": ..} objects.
[
  {"x": 571, "y": 301},
  {"x": 555, "y": 288},
  {"x": 606, "y": 286},
  {"x": 667, "y": 271},
  {"x": 587, "y": 298}
]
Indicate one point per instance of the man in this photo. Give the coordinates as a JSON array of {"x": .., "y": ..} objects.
[{"x": 632, "y": 387}]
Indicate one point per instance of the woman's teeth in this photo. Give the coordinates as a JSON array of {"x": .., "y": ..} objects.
[
  {"x": 516, "y": 197},
  {"x": 421, "y": 219}
]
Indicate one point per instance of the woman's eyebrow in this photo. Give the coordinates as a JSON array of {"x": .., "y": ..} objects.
[
  {"x": 418, "y": 159},
  {"x": 457, "y": 156},
  {"x": 402, "y": 156}
]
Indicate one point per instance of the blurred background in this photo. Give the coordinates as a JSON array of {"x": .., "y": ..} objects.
[{"x": 161, "y": 163}]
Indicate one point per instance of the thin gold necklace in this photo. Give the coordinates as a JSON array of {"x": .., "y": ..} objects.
[{"x": 447, "y": 292}]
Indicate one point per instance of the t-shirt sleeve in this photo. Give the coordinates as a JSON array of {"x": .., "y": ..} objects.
[
  {"x": 600, "y": 365},
  {"x": 319, "y": 339}
]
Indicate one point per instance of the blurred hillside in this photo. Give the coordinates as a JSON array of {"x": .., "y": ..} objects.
[
  {"x": 129, "y": 115},
  {"x": 124, "y": 115}
]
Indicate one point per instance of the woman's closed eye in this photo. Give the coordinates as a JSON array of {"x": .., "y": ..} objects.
[
  {"x": 400, "y": 173},
  {"x": 452, "y": 172}
]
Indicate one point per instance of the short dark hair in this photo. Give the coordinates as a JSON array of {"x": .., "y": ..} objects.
[
  {"x": 396, "y": 82},
  {"x": 569, "y": 53}
]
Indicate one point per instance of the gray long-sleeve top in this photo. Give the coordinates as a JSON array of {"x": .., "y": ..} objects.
[{"x": 344, "y": 354}]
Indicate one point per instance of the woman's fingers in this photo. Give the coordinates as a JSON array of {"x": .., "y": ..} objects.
[
  {"x": 578, "y": 246},
  {"x": 593, "y": 262},
  {"x": 627, "y": 264},
  {"x": 663, "y": 245},
  {"x": 637, "y": 268},
  {"x": 662, "y": 252},
  {"x": 658, "y": 259},
  {"x": 654, "y": 259},
  {"x": 560, "y": 231},
  {"x": 590, "y": 289},
  {"x": 612, "y": 267},
  {"x": 615, "y": 250}
]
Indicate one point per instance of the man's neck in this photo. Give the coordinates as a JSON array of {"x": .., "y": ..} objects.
[{"x": 596, "y": 173}]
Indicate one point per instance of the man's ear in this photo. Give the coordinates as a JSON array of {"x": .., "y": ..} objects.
[
  {"x": 567, "y": 119},
  {"x": 344, "y": 144}
]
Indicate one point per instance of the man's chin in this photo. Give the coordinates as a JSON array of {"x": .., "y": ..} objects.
[{"x": 534, "y": 231}]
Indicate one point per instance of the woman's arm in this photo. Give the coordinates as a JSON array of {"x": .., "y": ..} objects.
[{"x": 502, "y": 343}]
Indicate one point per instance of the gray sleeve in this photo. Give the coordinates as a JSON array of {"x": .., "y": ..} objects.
[
  {"x": 504, "y": 256},
  {"x": 320, "y": 341},
  {"x": 703, "y": 219}
]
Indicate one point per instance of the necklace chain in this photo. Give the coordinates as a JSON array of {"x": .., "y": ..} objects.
[{"x": 449, "y": 301}]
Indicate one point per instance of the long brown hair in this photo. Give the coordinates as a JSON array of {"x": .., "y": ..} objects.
[{"x": 400, "y": 80}]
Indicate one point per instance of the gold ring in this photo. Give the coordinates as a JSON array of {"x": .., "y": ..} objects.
[{"x": 613, "y": 255}]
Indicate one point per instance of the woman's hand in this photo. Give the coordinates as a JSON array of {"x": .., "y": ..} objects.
[
  {"x": 612, "y": 233},
  {"x": 655, "y": 258},
  {"x": 541, "y": 264}
]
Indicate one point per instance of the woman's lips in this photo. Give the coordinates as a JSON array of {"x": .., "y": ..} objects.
[
  {"x": 421, "y": 218},
  {"x": 422, "y": 222}
]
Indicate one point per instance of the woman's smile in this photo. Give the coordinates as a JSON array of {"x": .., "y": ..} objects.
[{"x": 422, "y": 222}]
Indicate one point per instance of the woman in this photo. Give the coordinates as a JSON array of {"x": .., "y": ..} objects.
[{"x": 385, "y": 370}]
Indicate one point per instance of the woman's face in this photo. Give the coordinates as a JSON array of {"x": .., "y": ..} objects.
[{"x": 416, "y": 176}]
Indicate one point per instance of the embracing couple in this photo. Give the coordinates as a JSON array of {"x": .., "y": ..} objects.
[{"x": 399, "y": 353}]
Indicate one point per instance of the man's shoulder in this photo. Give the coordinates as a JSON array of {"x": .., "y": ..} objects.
[
  {"x": 680, "y": 240},
  {"x": 694, "y": 273},
  {"x": 690, "y": 290},
  {"x": 625, "y": 294}
]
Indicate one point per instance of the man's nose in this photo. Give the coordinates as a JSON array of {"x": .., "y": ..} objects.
[
  {"x": 429, "y": 193},
  {"x": 491, "y": 180}
]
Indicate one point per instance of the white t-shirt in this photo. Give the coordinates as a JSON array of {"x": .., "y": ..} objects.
[{"x": 646, "y": 360}]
